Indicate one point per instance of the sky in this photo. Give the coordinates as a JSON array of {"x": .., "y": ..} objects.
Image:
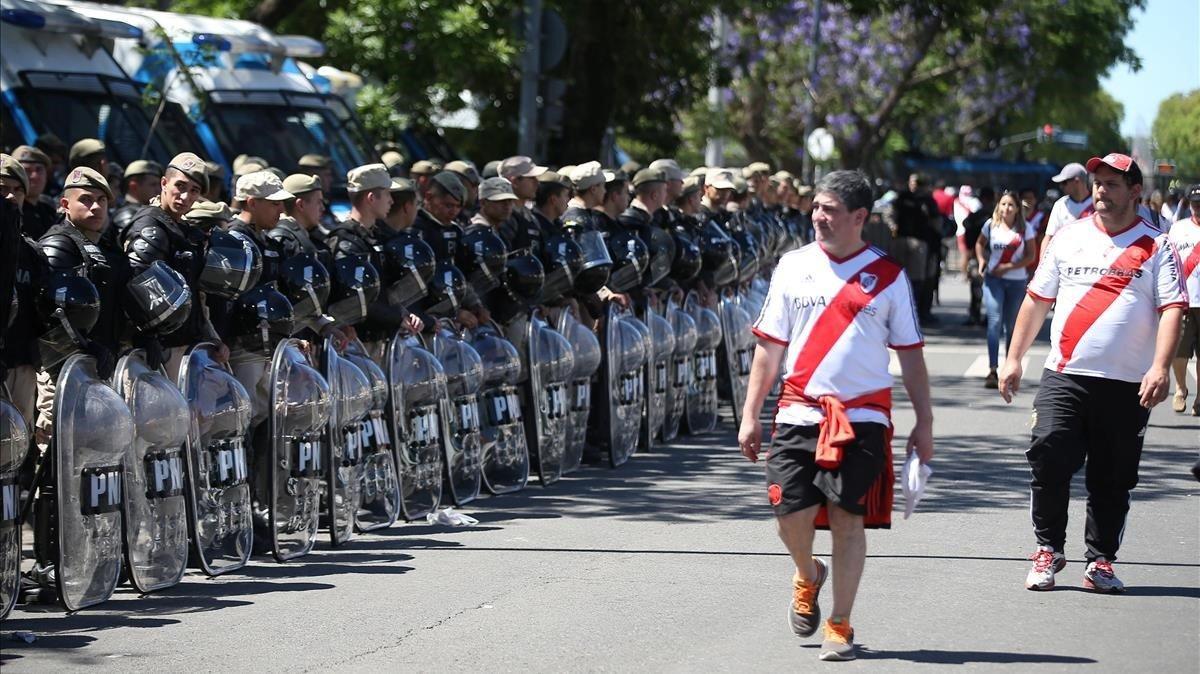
[{"x": 1166, "y": 36}]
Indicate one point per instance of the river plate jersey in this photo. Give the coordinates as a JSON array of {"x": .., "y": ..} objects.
[
  {"x": 1109, "y": 290},
  {"x": 837, "y": 318},
  {"x": 1185, "y": 236}
]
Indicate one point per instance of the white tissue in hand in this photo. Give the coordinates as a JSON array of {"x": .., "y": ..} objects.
[{"x": 912, "y": 482}]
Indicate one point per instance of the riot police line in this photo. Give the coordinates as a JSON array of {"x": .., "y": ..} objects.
[{"x": 214, "y": 386}]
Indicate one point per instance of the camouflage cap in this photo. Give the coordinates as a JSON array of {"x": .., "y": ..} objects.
[
  {"x": 648, "y": 175},
  {"x": 209, "y": 210},
  {"x": 143, "y": 167},
  {"x": 587, "y": 175},
  {"x": 87, "y": 178},
  {"x": 31, "y": 154},
  {"x": 496, "y": 189},
  {"x": 12, "y": 169},
  {"x": 191, "y": 166},
  {"x": 392, "y": 159},
  {"x": 261, "y": 185},
  {"x": 452, "y": 184},
  {"x": 466, "y": 170},
  {"x": 756, "y": 169},
  {"x": 318, "y": 161},
  {"x": 668, "y": 166},
  {"x": 424, "y": 167},
  {"x": 242, "y": 159},
  {"x": 301, "y": 183},
  {"x": 83, "y": 149}
]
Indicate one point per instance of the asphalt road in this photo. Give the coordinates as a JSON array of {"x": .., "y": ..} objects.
[{"x": 671, "y": 564}]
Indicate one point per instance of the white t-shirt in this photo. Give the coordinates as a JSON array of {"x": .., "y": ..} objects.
[
  {"x": 1185, "y": 236},
  {"x": 837, "y": 317},
  {"x": 1067, "y": 210},
  {"x": 1109, "y": 290},
  {"x": 1006, "y": 245}
]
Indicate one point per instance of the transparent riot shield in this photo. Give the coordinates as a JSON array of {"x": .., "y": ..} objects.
[
  {"x": 622, "y": 387},
  {"x": 501, "y": 411},
  {"x": 660, "y": 347},
  {"x": 380, "y": 502},
  {"x": 463, "y": 440},
  {"x": 701, "y": 412},
  {"x": 218, "y": 493},
  {"x": 737, "y": 352},
  {"x": 14, "y": 442},
  {"x": 551, "y": 365},
  {"x": 155, "y": 508},
  {"x": 300, "y": 409},
  {"x": 350, "y": 392},
  {"x": 587, "y": 356},
  {"x": 679, "y": 371},
  {"x": 418, "y": 388},
  {"x": 92, "y": 434}
]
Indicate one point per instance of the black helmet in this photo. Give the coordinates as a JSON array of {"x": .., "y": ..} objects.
[
  {"x": 562, "y": 260},
  {"x": 408, "y": 266},
  {"x": 747, "y": 255},
  {"x": 597, "y": 263},
  {"x": 355, "y": 284},
  {"x": 70, "y": 306},
  {"x": 687, "y": 262},
  {"x": 523, "y": 282},
  {"x": 158, "y": 301},
  {"x": 481, "y": 256},
  {"x": 629, "y": 257},
  {"x": 719, "y": 254},
  {"x": 661, "y": 247},
  {"x": 232, "y": 265},
  {"x": 446, "y": 290},
  {"x": 261, "y": 317},
  {"x": 305, "y": 282}
]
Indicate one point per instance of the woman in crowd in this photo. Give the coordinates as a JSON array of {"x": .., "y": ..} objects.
[{"x": 1005, "y": 249}]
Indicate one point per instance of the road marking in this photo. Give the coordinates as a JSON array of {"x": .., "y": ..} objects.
[{"x": 978, "y": 368}]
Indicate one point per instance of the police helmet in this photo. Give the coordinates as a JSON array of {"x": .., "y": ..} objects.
[
  {"x": 261, "y": 317},
  {"x": 408, "y": 268},
  {"x": 354, "y": 285},
  {"x": 305, "y": 283},
  {"x": 158, "y": 300},
  {"x": 232, "y": 265}
]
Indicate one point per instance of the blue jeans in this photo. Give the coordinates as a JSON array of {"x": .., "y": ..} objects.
[{"x": 1002, "y": 299}]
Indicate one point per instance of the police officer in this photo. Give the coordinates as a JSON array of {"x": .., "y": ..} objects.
[
  {"x": 20, "y": 276},
  {"x": 550, "y": 204},
  {"x": 718, "y": 188},
  {"x": 40, "y": 211},
  {"x": 443, "y": 199},
  {"x": 142, "y": 181},
  {"x": 470, "y": 179},
  {"x": 422, "y": 172},
  {"x": 497, "y": 202},
  {"x": 209, "y": 215},
  {"x": 364, "y": 234},
  {"x": 158, "y": 231},
  {"x": 667, "y": 216},
  {"x": 587, "y": 180},
  {"x": 89, "y": 152},
  {"x": 404, "y": 208},
  {"x": 322, "y": 167},
  {"x": 302, "y": 215},
  {"x": 262, "y": 196},
  {"x": 522, "y": 232}
]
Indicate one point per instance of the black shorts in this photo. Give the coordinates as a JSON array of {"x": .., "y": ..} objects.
[
  {"x": 1189, "y": 338},
  {"x": 794, "y": 482}
]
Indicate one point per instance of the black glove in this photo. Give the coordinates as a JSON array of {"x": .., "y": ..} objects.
[
  {"x": 156, "y": 357},
  {"x": 106, "y": 362}
]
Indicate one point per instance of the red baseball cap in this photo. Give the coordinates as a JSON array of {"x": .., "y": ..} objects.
[{"x": 1115, "y": 160}]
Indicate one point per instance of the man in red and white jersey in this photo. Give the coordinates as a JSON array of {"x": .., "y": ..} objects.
[
  {"x": 1116, "y": 282},
  {"x": 834, "y": 308},
  {"x": 1075, "y": 203},
  {"x": 1185, "y": 236}
]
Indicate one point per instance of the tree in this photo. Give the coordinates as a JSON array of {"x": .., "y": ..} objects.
[
  {"x": 941, "y": 75},
  {"x": 1177, "y": 132}
]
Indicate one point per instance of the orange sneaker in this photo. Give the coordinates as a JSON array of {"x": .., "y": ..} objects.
[
  {"x": 804, "y": 613},
  {"x": 839, "y": 640}
]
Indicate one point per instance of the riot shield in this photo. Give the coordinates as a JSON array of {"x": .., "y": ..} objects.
[
  {"x": 550, "y": 368},
  {"x": 660, "y": 347},
  {"x": 587, "y": 356},
  {"x": 418, "y": 387},
  {"x": 14, "y": 442},
  {"x": 701, "y": 411},
  {"x": 505, "y": 450},
  {"x": 299, "y": 412},
  {"x": 679, "y": 370},
  {"x": 380, "y": 501},
  {"x": 218, "y": 493},
  {"x": 156, "y": 519},
  {"x": 737, "y": 352},
  {"x": 622, "y": 386},
  {"x": 350, "y": 392},
  {"x": 92, "y": 434},
  {"x": 463, "y": 441}
]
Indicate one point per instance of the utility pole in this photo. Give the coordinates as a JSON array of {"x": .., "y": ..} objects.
[
  {"x": 531, "y": 63},
  {"x": 714, "y": 150},
  {"x": 806, "y": 171}
]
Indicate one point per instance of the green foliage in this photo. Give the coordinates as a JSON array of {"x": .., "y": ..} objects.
[{"x": 1177, "y": 132}]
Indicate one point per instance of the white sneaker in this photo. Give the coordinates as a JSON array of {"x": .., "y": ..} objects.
[
  {"x": 1046, "y": 563},
  {"x": 1099, "y": 576}
]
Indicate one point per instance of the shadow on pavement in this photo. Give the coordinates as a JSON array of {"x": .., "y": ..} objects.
[{"x": 972, "y": 657}]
